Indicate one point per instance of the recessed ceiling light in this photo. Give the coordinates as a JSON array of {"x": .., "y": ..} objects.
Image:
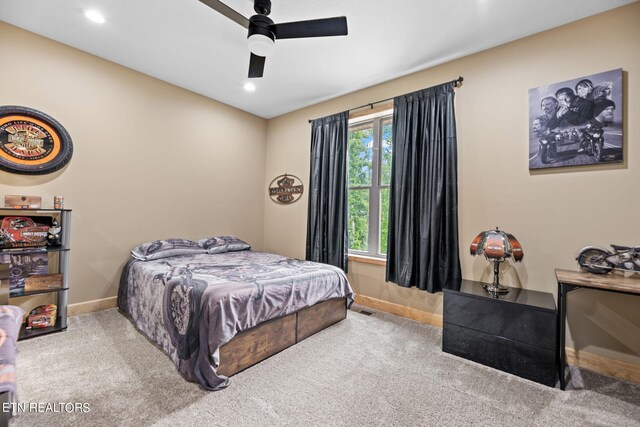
[
  {"x": 95, "y": 16},
  {"x": 249, "y": 87}
]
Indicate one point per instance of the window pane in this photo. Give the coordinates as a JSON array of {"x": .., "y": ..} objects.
[
  {"x": 360, "y": 155},
  {"x": 384, "y": 219},
  {"x": 386, "y": 148},
  {"x": 358, "y": 220}
]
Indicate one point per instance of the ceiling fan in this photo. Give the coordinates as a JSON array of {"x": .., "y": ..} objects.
[{"x": 263, "y": 32}]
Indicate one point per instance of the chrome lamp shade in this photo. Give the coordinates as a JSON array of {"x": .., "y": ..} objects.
[{"x": 496, "y": 246}]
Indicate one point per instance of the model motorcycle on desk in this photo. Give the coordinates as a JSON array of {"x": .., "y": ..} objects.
[{"x": 600, "y": 261}]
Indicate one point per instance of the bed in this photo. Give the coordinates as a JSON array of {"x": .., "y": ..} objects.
[{"x": 218, "y": 313}]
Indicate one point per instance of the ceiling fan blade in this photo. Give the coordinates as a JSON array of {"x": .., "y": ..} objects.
[
  {"x": 313, "y": 28},
  {"x": 227, "y": 11},
  {"x": 256, "y": 66}
]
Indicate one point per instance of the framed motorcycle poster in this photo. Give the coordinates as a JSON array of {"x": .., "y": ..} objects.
[
  {"x": 576, "y": 122},
  {"x": 32, "y": 142}
]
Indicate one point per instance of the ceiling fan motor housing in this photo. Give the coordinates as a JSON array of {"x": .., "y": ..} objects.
[
  {"x": 259, "y": 24},
  {"x": 261, "y": 39},
  {"x": 262, "y": 7}
]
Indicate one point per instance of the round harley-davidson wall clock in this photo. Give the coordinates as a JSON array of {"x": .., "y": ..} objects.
[{"x": 31, "y": 142}]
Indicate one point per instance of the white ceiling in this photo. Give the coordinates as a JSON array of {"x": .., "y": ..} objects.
[{"x": 190, "y": 45}]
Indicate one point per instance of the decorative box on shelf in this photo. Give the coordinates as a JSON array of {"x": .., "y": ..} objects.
[
  {"x": 41, "y": 317},
  {"x": 22, "y": 232},
  {"x": 43, "y": 282},
  {"x": 23, "y": 202}
]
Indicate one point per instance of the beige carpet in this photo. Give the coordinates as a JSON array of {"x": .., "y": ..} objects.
[{"x": 367, "y": 370}]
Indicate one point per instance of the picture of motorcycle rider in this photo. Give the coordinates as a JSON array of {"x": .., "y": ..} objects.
[
  {"x": 584, "y": 89},
  {"x": 603, "y": 90},
  {"x": 539, "y": 124},
  {"x": 603, "y": 111},
  {"x": 590, "y": 129},
  {"x": 549, "y": 106},
  {"x": 573, "y": 109}
]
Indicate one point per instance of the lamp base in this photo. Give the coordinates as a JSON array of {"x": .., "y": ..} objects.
[{"x": 496, "y": 289}]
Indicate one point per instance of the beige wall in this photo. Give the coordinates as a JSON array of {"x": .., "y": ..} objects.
[
  {"x": 553, "y": 213},
  {"x": 150, "y": 160}
]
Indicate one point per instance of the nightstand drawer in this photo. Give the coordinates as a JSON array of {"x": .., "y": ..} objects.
[
  {"x": 527, "y": 361},
  {"x": 504, "y": 319}
]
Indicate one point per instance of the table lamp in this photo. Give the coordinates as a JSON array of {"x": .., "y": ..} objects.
[{"x": 496, "y": 245}]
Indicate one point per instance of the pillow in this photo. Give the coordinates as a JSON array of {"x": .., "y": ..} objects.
[
  {"x": 166, "y": 248},
  {"x": 221, "y": 244}
]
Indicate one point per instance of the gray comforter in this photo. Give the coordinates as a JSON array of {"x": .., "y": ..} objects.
[{"x": 191, "y": 305}]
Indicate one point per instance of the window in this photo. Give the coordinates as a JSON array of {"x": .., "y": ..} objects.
[{"x": 369, "y": 169}]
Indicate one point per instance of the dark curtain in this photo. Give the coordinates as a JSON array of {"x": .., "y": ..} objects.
[
  {"x": 327, "y": 214},
  {"x": 423, "y": 207}
]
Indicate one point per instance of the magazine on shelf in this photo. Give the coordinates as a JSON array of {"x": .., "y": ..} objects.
[{"x": 22, "y": 266}]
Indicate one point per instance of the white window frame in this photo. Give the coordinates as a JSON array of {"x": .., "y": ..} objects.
[{"x": 373, "y": 237}]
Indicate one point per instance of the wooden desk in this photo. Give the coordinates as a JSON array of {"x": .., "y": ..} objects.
[{"x": 571, "y": 280}]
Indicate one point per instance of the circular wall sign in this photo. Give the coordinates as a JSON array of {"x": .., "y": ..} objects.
[
  {"x": 286, "y": 189},
  {"x": 31, "y": 142}
]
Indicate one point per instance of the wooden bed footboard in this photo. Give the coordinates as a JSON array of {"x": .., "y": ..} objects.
[
  {"x": 319, "y": 316},
  {"x": 268, "y": 338}
]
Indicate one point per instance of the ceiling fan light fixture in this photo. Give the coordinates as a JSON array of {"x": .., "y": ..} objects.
[
  {"x": 263, "y": 32},
  {"x": 261, "y": 45}
]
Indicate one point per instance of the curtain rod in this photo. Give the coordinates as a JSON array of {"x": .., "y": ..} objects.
[{"x": 457, "y": 82}]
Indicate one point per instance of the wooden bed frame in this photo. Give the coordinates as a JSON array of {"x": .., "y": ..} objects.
[{"x": 268, "y": 338}]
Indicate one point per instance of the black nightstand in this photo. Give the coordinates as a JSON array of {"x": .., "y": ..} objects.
[{"x": 515, "y": 333}]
